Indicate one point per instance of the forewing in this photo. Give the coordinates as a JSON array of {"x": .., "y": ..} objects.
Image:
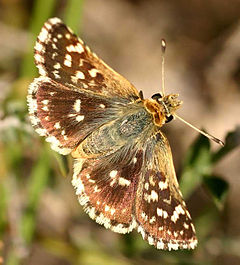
[
  {"x": 67, "y": 116},
  {"x": 161, "y": 214},
  {"x": 62, "y": 56},
  {"x": 106, "y": 188}
]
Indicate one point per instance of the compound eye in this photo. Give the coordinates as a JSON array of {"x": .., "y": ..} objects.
[
  {"x": 157, "y": 96},
  {"x": 169, "y": 118}
]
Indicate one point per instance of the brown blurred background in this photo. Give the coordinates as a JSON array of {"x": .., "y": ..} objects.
[{"x": 202, "y": 65}]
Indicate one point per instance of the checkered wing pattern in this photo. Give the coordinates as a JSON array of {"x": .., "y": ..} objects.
[
  {"x": 161, "y": 214},
  {"x": 64, "y": 116},
  {"x": 106, "y": 188},
  {"x": 76, "y": 92},
  {"x": 62, "y": 56},
  {"x": 123, "y": 175},
  {"x": 136, "y": 187}
]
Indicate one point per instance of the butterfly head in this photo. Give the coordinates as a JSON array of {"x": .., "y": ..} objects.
[{"x": 163, "y": 107}]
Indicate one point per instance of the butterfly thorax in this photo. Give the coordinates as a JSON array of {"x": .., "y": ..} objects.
[
  {"x": 128, "y": 128},
  {"x": 162, "y": 108}
]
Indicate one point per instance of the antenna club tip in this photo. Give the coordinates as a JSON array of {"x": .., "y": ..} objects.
[
  {"x": 163, "y": 44},
  {"x": 218, "y": 141},
  {"x": 221, "y": 143}
]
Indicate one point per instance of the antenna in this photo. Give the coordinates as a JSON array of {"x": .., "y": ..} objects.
[
  {"x": 163, "y": 43},
  {"x": 209, "y": 136}
]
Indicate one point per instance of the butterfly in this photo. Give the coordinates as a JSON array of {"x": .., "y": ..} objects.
[{"x": 123, "y": 171}]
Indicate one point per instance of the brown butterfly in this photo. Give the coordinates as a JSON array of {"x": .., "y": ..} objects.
[{"x": 123, "y": 173}]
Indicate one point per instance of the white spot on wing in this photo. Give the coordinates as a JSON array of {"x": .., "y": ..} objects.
[
  {"x": 54, "y": 54},
  {"x": 45, "y": 101},
  {"x": 75, "y": 48},
  {"x": 34, "y": 120},
  {"x": 193, "y": 228},
  {"x": 163, "y": 185},
  {"x": 93, "y": 72},
  {"x": 79, "y": 118},
  {"x": 45, "y": 108},
  {"x": 146, "y": 185},
  {"x": 165, "y": 214},
  {"x": 144, "y": 216},
  {"x": 179, "y": 209},
  {"x": 57, "y": 125},
  {"x": 39, "y": 47},
  {"x": 152, "y": 220},
  {"x": 41, "y": 132},
  {"x": 150, "y": 240},
  {"x": 39, "y": 58},
  {"x": 77, "y": 105},
  {"x": 68, "y": 60},
  {"x": 41, "y": 70},
  {"x": 173, "y": 246},
  {"x": 96, "y": 189},
  {"x": 112, "y": 211},
  {"x": 159, "y": 212},
  {"x": 57, "y": 66},
  {"x": 151, "y": 181},
  {"x": 154, "y": 196},
  {"x": 72, "y": 115},
  {"x": 160, "y": 245},
  {"x": 140, "y": 230},
  {"x": 80, "y": 75},
  {"x": 113, "y": 173},
  {"x": 107, "y": 208},
  {"x": 55, "y": 20},
  {"x": 56, "y": 74},
  {"x": 124, "y": 182},
  {"x": 54, "y": 46},
  {"x": 68, "y": 36},
  {"x": 174, "y": 216},
  {"x": 162, "y": 213},
  {"x": 43, "y": 35}
]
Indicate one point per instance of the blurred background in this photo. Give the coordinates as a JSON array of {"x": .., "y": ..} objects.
[{"x": 41, "y": 221}]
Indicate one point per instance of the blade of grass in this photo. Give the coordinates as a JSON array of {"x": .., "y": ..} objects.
[
  {"x": 42, "y": 10},
  {"x": 37, "y": 183},
  {"x": 73, "y": 14},
  {"x": 3, "y": 192},
  {"x": 3, "y": 207}
]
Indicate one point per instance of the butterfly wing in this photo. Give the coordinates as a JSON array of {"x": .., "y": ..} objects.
[
  {"x": 106, "y": 187},
  {"x": 64, "y": 116},
  {"x": 136, "y": 185},
  {"x": 160, "y": 211},
  {"x": 62, "y": 56},
  {"x": 76, "y": 93}
]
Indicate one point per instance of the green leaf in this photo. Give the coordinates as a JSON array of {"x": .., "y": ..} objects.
[
  {"x": 205, "y": 223},
  {"x": 232, "y": 141},
  {"x": 218, "y": 189},
  {"x": 197, "y": 163}
]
